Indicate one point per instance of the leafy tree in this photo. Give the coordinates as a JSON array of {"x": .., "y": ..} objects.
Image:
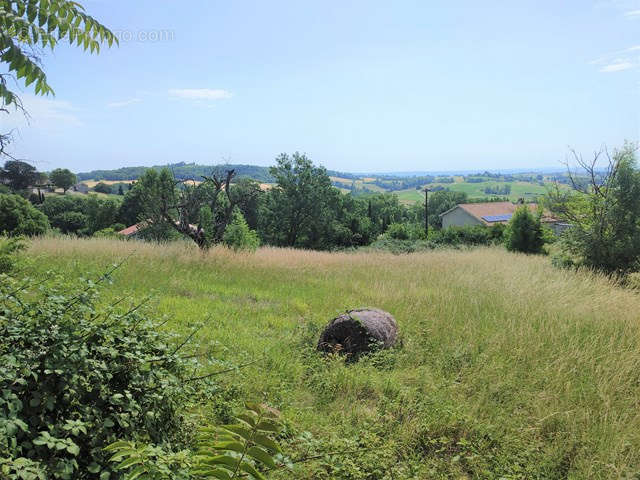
[
  {"x": 101, "y": 213},
  {"x": 29, "y": 26},
  {"x": 70, "y": 222},
  {"x": 603, "y": 208},
  {"x": 102, "y": 187},
  {"x": 120, "y": 190},
  {"x": 18, "y": 175},
  {"x": 238, "y": 235},
  {"x": 19, "y": 217},
  {"x": 175, "y": 204},
  {"x": 524, "y": 232},
  {"x": 439, "y": 202},
  {"x": 299, "y": 204},
  {"x": 63, "y": 178}
]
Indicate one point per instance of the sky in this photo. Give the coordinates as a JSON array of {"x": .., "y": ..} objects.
[{"x": 357, "y": 85}]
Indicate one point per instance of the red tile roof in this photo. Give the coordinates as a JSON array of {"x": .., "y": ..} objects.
[{"x": 131, "y": 230}]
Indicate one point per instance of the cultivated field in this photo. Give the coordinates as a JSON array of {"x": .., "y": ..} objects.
[{"x": 508, "y": 368}]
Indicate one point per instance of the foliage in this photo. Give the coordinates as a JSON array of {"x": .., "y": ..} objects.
[
  {"x": 28, "y": 25},
  {"x": 18, "y": 175},
  {"x": 440, "y": 202},
  {"x": 604, "y": 213},
  {"x": 238, "y": 235},
  {"x": 19, "y": 217},
  {"x": 76, "y": 375},
  {"x": 70, "y": 221},
  {"x": 398, "y": 231},
  {"x": 102, "y": 187},
  {"x": 63, "y": 178},
  {"x": 9, "y": 249},
  {"x": 181, "y": 171},
  {"x": 239, "y": 450},
  {"x": 81, "y": 214},
  {"x": 524, "y": 232}
]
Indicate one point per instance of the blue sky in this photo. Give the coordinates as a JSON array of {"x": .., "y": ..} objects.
[{"x": 358, "y": 85}]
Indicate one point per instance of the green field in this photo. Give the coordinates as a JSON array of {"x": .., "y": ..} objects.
[{"x": 508, "y": 368}]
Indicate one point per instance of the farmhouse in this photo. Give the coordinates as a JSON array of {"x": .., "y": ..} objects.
[{"x": 491, "y": 213}]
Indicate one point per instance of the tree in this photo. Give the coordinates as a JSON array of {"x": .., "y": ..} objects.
[
  {"x": 63, "y": 178},
  {"x": 238, "y": 235},
  {"x": 120, "y": 190},
  {"x": 102, "y": 187},
  {"x": 31, "y": 25},
  {"x": 298, "y": 207},
  {"x": 19, "y": 217},
  {"x": 603, "y": 208},
  {"x": 524, "y": 232},
  {"x": 176, "y": 204},
  {"x": 18, "y": 175}
]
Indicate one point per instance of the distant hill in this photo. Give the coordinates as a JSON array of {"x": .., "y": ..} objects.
[
  {"x": 180, "y": 170},
  {"x": 184, "y": 170}
]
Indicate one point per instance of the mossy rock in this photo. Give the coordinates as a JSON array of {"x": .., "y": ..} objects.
[{"x": 359, "y": 331}]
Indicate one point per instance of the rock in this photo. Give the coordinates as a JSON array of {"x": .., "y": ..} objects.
[{"x": 359, "y": 331}]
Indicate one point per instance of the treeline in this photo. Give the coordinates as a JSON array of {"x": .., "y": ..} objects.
[
  {"x": 183, "y": 171},
  {"x": 303, "y": 210},
  {"x": 179, "y": 170}
]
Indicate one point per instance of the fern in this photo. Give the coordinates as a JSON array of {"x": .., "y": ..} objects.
[
  {"x": 238, "y": 450},
  {"x": 225, "y": 453}
]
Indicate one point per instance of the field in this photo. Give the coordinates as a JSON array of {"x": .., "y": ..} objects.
[{"x": 508, "y": 367}]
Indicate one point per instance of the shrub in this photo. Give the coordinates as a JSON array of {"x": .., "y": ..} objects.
[
  {"x": 75, "y": 376},
  {"x": 108, "y": 233},
  {"x": 524, "y": 232},
  {"x": 238, "y": 235},
  {"x": 398, "y": 231},
  {"x": 468, "y": 235},
  {"x": 69, "y": 222},
  {"x": 19, "y": 217},
  {"x": 102, "y": 188},
  {"x": 9, "y": 247}
]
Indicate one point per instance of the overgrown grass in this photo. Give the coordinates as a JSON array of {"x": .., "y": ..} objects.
[{"x": 508, "y": 367}]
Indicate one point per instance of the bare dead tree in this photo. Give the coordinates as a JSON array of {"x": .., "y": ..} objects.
[{"x": 180, "y": 204}]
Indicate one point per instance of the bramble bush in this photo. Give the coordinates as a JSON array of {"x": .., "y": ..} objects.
[{"x": 76, "y": 375}]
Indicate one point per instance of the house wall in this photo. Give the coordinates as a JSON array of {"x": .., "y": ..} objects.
[{"x": 459, "y": 218}]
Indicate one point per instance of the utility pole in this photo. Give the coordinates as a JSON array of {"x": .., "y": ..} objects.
[{"x": 426, "y": 212}]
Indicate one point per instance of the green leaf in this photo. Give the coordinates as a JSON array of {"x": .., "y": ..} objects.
[
  {"x": 233, "y": 446},
  {"x": 266, "y": 442},
  {"x": 262, "y": 456}
]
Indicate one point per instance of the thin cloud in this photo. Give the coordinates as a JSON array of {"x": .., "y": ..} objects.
[
  {"x": 632, "y": 14},
  {"x": 124, "y": 103},
  {"x": 617, "y": 67},
  {"x": 200, "y": 93},
  {"x": 45, "y": 112}
]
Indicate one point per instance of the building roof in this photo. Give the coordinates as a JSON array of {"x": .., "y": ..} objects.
[
  {"x": 491, "y": 213},
  {"x": 131, "y": 230}
]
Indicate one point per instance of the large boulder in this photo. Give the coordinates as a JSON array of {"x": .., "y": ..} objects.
[{"x": 358, "y": 331}]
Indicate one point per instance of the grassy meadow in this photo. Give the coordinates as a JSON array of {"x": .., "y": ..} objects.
[{"x": 508, "y": 367}]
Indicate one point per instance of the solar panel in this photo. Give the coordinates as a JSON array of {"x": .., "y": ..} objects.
[{"x": 498, "y": 218}]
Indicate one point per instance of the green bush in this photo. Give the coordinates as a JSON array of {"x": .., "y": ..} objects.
[
  {"x": 238, "y": 235},
  {"x": 76, "y": 376},
  {"x": 19, "y": 217},
  {"x": 70, "y": 221},
  {"x": 9, "y": 248},
  {"x": 468, "y": 235},
  {"x": 102, "y": 188},
  {"x": 524, "y": 232},
  {"x": 398, "y": 231}
]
